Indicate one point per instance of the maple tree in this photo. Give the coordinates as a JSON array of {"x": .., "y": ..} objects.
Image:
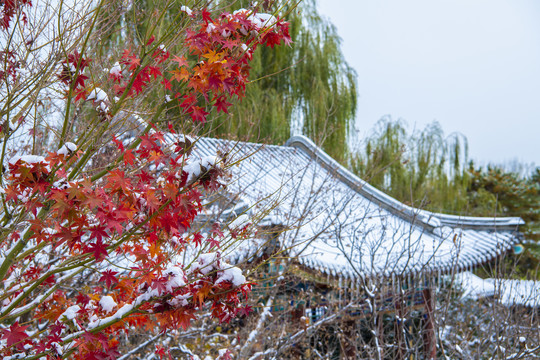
[{"x": 97, "y": 237}]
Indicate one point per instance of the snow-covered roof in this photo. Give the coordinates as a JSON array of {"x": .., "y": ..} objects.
[
  {"x": 517, "y": 292},
  {"x": 474, "y": 287},
  {"x": 339, "y": 224},
  {"x": 507, "y": 291}
]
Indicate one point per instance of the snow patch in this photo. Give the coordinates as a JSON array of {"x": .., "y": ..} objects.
[
  {"x": 176, "y": 277},
  {"x": 239, "y": 221},
  {"x": 473, "y": 287},
  {"x": 194, "y": 169},
  {"x": 67, "y": 149},
  {"x": 517, "y": 292},
  {"x": 70, "y": 313},
  {"x": 232, "y": 274},
  {"x": 260, "y": 20},
  {"x": 116, "y": 70},
  {"x": 29, "y": 159},
  {"x": 206, "y": 263},
  {"x": 210, "y": 27},
  {"x": 186, "y": 9},
  {"x": 95, "y": 322},
  {"x": 98, "y": 95},
  {"x": 180, "y": 300},
  {"x": 107, "y": 303}
]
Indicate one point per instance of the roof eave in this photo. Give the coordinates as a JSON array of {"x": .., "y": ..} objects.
[{"x": 425, "y": 218}]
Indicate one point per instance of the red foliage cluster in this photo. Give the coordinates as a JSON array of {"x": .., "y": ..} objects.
[
  {"x": 72, "y": 73},
  {"x": 142, "y": 75},
  {"x": 216, "y": 69},
  {"x": 9, "y": 9},
  {"x": 222, "y": 49},
  {"x": 11, "y": 64},
  {"x": 125, "y": 234},
  {"x": 140, "y": 219}
]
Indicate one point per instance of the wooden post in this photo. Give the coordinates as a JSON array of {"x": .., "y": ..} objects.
[{"x": 430, "y": 338}]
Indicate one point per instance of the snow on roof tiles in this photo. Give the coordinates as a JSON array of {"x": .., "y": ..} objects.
[
  {"x": 340, "y": 224},
  {"x": 517, "y": 292},
  {"x": 508, "y": 292}
]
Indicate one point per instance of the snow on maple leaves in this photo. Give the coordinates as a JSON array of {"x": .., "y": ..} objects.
[
  {"x": 124, "y": 233},
  {"x": 223, "y": 48},
  {"x": 215, "y": 70},
  {"x": 127, "y": 217}
]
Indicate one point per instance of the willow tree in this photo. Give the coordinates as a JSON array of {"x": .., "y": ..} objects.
[
  {"x": 310, "y": 88},
  {"x": 424, "y": 169},
  {"x": 306, "y": 88}
]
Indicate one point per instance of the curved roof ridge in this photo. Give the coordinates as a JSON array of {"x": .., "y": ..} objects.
[{"x": 427, "y": 218}]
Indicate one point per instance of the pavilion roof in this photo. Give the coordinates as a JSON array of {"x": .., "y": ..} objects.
[{"x": 339, "y": 224}]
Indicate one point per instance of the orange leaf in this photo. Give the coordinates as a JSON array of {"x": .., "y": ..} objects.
[
  {"x": 212, "y": 56},
  {"x": 154, "y": 249},
  {"x": 180, "y": 60},
  {"x": 181, "y": 74}
]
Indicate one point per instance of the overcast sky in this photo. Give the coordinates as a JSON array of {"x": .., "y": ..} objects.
[{"x": 472, "y": 65}]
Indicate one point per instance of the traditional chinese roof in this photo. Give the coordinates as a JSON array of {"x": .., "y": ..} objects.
[
  {"x": 507, "y": 291},
  {"x": 339, "y": 224},
  {"x": 517, "y": 292}
]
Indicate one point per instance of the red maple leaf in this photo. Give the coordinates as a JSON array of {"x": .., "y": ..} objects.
[
  {"x": 213, "y": 242},
  {"x": 99, "y": 249},
  {"x": 271, "y": 39},
  {"x": 117, "y": 180},
  {"x": 113, "y": 223},
  {"x": 230, "y": 44},
  {"x": 92, "y": 201},
  {"x": 75, "y": 57},
  {"x": 145, "y": 177},
  {"x": 129, "y": 158},
  {"x": 244, "y": 311},
  {"x": 131, "y": 60},
  {"x": 166, "y": 83},
  {"x": 15, "y": 335},
  {"x": 206, "y": 16},
  {"x": 109, "y": 278},
  {"x": 160, "y": 351},
  {"x": 198, "y": 114},
  {"x": 160, "y": 284},
  {"x": 222, "y": 105},
  {"x": 197, "y": 238},
  {"x": 154, "y": 71},
  {"x": 80, "y": 94},
  {"x": 118, "y": 143},
  {"x": 225, "y": 356},
  {"x": 214, "y": 82},
  {"x": 188, "y": 101},
  {"x": 82, "y": 299},
  {"x": 98, "y": 232},
  {"x": 139, "y": 83},
  {"x": 184, "y": 319}
]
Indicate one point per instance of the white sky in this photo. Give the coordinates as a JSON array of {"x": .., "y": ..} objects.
[{"x": 472, "y": 65}]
